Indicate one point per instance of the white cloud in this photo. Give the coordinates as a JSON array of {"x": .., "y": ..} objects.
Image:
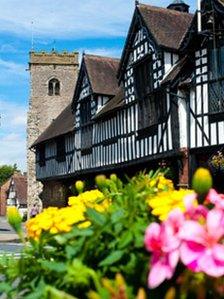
[
  {"x": 8, "y": 48},
  {"x": 13, "y": 133},
  {"x": 13, "y": 115},
  {"x": 60, "y": 18},
  {"x": 68, "y": 18},
  {"x": 13, "y": 150},
  {"x": 12, "y": 73},
  {"x": 12, "y": 67},
  {"x": 110, "y": 52},
  {"x": 19, "y": 120}
]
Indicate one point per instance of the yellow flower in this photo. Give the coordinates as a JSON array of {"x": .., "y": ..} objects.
[
  {"x": 86, "y": 197},
  {"x": 164, "y": 202},
  {"x": 164, "y": 184},
  {"x": 160, "y": 183},
  {"x": 54, "y": 220}
]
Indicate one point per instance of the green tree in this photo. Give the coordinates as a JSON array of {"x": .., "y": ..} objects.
[{"x": 5, "y": 172}]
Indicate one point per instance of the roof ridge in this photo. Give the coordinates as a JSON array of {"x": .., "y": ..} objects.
[
  {"x": 101, "y": 56},
  {"x": 171, "y": 11}
]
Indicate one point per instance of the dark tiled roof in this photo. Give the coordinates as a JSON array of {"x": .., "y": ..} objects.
[
  {"x": 20, "y": 183},
  {"x": 116, "y": 102},
  {"x": 63, "y": 124},
  {"x": 166, "y": 25},
  {"x": 102, "y": 73}
]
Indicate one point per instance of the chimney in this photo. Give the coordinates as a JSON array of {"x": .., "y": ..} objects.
[{"x": 179, "y": 5}]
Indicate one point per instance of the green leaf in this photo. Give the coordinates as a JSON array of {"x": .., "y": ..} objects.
[
  {"x": 111, "y": 259},
  {"x": 125, "y": 240},
  {"x": 60, "y": 239},
  {"x": 139, "y": 240},
  {"x": 116, "y": 216},
  {"x": 118, "y": 228},
  {"x": 37, "y": 294},
  {"x": 53, "y": 293},
  {"x": 130, "y": 266},
  {"x": 83, "y": 232},
  {"x": 5, "y": 287},
  {"x": 53, "y": 266},
  {"x": 96, "y": 217}
]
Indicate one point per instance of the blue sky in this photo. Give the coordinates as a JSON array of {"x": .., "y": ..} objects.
[{"x": 93, "y": 26}]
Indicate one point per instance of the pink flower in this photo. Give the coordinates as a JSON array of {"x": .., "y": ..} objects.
[
  {"x": 216, "y": 199},
  {"x": 200, "y": 249},
  {"x": 193, "y": 210},
  {"x": 163, "y": 241}
]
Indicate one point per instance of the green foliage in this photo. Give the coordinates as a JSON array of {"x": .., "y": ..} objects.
[
  {"x": 6, "y": 171},
  {"x": 71, "y": 265}
]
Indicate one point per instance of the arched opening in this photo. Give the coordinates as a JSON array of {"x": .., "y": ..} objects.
[{"x": 54, "y": 87}]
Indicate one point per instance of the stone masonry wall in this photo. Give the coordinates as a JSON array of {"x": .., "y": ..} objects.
[{"x": 43, "y": 109}]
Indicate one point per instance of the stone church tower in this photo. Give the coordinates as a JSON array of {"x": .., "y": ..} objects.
[{"x": 52, "y": 82}]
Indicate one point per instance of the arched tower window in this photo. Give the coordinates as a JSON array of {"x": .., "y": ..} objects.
[{"x": 54, "y": 87}]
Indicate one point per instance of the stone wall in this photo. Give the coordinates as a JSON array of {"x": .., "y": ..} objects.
[{"x": 43, "y": 108}]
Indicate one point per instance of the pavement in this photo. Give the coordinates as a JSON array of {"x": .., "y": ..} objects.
[{"x": 7, "y": 234}]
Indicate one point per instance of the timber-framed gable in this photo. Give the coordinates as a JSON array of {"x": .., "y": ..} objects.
[{"x": 154, "y": 104}]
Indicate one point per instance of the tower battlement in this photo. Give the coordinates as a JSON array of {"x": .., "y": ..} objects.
[{"x": 59, "y": 58}]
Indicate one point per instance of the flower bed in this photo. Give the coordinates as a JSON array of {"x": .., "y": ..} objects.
[{"x": 142, "y": 239}]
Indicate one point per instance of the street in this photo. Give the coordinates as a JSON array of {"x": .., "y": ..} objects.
[{"x": 9, "y": 242}]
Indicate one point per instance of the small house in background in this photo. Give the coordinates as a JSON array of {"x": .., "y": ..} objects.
[
  {"x": 3, "y": 197},
  {"x": 14, "y": 193}
]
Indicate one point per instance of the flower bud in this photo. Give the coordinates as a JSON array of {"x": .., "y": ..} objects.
[
  {"x": 79, "y": 185},
  {"x": 120, "y": 280},
  {"x": 170, "y": 294},
  {"x": 93, "y": 295},
  {"x": 113, "y": 177},
  {"x": 14, "y": 218},
  {"x": 202, "y": 181},
  {"x": 100, "y": 180},
  {"x": 141, "y": 294}
]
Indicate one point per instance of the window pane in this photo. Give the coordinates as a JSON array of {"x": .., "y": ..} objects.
[
  {"x": 221, "y": 55},
  {"x": 60, "y": 146},
  {"x": 143, "y": 78},
  {"x": 50, "y": 88},
  {"x": 57, "y": 88},
  {"x": 216, "y": 96},
  {"x": 42, "y": 155}
]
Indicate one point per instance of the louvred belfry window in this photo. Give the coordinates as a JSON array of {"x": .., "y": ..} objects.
[{"x": 54, "y": 87}]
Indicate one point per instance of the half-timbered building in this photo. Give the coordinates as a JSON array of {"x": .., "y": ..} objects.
[{"x": 161, "y": 103}]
